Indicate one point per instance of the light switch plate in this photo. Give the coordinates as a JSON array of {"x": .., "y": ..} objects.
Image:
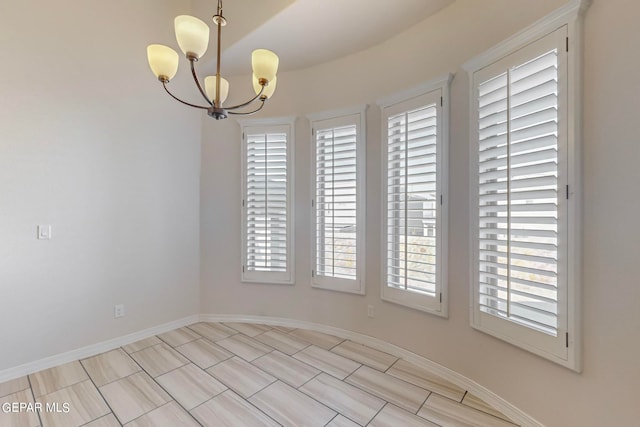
[{"x": 44, "y": 232}]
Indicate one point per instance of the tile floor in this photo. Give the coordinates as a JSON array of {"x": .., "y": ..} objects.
[{"x": 235, "y": 374}]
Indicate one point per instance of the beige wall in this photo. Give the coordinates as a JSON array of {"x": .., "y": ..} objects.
[
  {"x": 607, "y": 389},
  {"x": 90, "y": 144}
]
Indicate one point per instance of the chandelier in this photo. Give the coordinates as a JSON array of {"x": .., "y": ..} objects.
[{"x": 192, "y": 35}]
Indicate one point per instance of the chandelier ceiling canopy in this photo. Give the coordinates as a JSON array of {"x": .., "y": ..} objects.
[{"x": 192, "y": 35}]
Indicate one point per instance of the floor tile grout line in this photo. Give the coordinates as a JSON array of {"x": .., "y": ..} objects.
[
  {"x": 364, "y": 355},
  {"x": 230, "y": 388},
  {"x": 54, "y": 391},
  {"x": 260, "y": 410},
  {"x": 162, "y": 406},
  {"x": 240, "y": 332},
  {"x": 189, "y": 361},
  {"x": 33, "y": 395},
  {"x": 236, "y": 393},
  {"x": 210, "y": 366},
  {"x": 170, "y": 395},
  {"x": 335, "y": 410},
  {"x": 331, "y": 420},
  {"x": 172, "y": 346},
  {"x": 101, "y": 395},
  {"x": 467, "y": 406},
  {"x": 210, "y": 339},
  {"x": 330, "y": 373},
  {"x": 304, "y": 394},
  {"x": 379, "y": 397},
  {"x": 282, "y": 351},
  {"x": 400, "y": 379},
  {"x": 143, "y": 348},
  {"x": 18, "y": 391},
  {"x": 155, "y": 345},
  {"x": 271, "y": 349},
  {"x": 378, "y": 413},
  {"x": 423, "y": 402},
  {"x": 240, "y": 397},
  {"x": 364, "y": 364},
  {"x": 291, "y": 357},
  {"x": 256, "y": 392},
  {"x": 347, "y": 357},
  {"x": 311, "y": 330},
  {"x": 310, "y": 379},
  {"x": 142, "y": 415},
  {"x": 330, "y": 349},
  {"x": 99, "y": 418},
  {"x": 485, "y": 412}
]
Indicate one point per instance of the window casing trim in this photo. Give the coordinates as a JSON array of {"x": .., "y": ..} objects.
[
  {"x": 437, "y": 90},
  {"x": 331, "y": 119},
  {"x": 266, "y": 125},
  {"x": 570, "y": 16}
]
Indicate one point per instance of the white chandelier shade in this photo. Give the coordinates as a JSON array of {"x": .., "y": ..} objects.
[
  {"x": 264, "y": 64},
  {"x": 210, "y": 88},
  {"x": 163, "y": 61},
  {"x": 192, "y": 36}
]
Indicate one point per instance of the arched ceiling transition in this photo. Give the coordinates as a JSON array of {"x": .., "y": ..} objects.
[{"x": 307, "y": 32}]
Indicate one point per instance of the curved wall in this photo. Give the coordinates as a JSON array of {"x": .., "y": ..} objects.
[{"x": 551, "y": 394}]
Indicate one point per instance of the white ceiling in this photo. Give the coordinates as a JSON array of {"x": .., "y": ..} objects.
[{"x": 307, "y": 32}]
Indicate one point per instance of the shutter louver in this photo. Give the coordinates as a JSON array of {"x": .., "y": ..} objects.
[
  {"x": 412, "y": 200},
  {"x": 266, "y": 202},
  {"x": 336, "y": 202},
  {"x": 518, "y": 194}
]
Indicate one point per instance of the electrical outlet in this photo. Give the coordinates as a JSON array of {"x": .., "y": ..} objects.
[
  {"x": 370, "y": 311},
  {"x": 118, "y": 311}
]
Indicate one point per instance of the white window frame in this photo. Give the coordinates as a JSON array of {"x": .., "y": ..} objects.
[
  {"x": 565, "y": 349},
  {"x": 329, "y": 120},
  {"x": 433, "y": 92},
  {"x": 279, "y": 125}
]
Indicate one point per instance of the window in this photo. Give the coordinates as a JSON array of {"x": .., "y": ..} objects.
[
  {"x": 338, "y": 219},
  {"x": 266, "y": 201},
  {"x": 415, "y": 129},
  {"x": 524, "y": 193}
]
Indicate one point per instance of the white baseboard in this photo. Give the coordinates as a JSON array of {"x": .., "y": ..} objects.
[
  {"x": 460, "y": 380},
  {"x": 93, "y": 349}
]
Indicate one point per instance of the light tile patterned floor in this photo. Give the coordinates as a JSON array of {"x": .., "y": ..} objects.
[{"x": 235, "y": 374}]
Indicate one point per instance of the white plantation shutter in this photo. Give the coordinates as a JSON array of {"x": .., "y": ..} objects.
[
  {"x": 267, "y": 217},
  {"x": 338, "y": 205},
  {"x": 336, "y": 202},
  {"x": 411, "y": 200},
  {"x": 518, "y": 193},
  {"x": 414, "y": 232},
  {"x": 522, "y": 213}
]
